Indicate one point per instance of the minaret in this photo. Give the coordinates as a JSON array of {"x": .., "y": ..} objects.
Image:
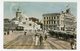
[{"x": 18, "y": 14}]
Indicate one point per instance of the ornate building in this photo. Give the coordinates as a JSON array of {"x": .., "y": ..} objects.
[
  {"x": 63, "y": 21},
  {"x": 23, "y": 22}
]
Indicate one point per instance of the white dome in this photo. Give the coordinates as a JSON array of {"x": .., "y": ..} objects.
[{"x": 25, "y": 18}]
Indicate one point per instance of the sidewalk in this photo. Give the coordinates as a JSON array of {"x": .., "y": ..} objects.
[{"x": 13, "y": 35}]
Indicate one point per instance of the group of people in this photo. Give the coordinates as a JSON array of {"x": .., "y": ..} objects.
[{"x": 39, "y": 39}]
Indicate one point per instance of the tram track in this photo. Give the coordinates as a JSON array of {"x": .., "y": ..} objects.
[{"x": 59, "y": 44}]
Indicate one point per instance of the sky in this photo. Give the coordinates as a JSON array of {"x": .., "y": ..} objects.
[{"x": 37, "y": 9}]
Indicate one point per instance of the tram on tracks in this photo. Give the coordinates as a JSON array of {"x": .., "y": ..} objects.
[{"x": 62, "y": 35}]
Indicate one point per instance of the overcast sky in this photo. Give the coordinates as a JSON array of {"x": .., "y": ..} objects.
[{"x": 37, "y": 9}]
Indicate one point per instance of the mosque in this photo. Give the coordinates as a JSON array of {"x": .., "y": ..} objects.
[{"x": 23, "y": 22}]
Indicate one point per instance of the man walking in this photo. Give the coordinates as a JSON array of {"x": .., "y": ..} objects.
[
  {"x": 45, "y": 37},
  {"x": 25, "y": 33},
  {"x": 72, "y": 43},
  {"x": 40, "y": 39},
  {"x": 8, "y": 32}
]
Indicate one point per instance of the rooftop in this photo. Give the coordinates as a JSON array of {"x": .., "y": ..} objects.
[{"x": 51, "y": 14}]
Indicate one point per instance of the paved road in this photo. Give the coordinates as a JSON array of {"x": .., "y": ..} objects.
[{"x": 27, "y": 42}]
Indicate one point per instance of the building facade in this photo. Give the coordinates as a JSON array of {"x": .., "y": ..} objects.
[
  {"x": 69, "y": 22},
  {"x": 63, "y": 21},
  {"x": 23, "y": 22},
  {"x": 53, "y": 21}
]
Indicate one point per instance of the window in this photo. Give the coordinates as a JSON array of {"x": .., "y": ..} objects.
[
  {"x": 44, "y": 17},
  {"x": 54, "y": 17},
  {"x": 30, "y": 24},
  {"x": 61, "y": 28},
  {"x": 47, "y": 17},
  {"x": 54, "y": 22},
  {"x": 58, "y": 22},
  {"x": 44, "y": 22},
  {"x": 24, "y": 22},
  {"x": 47, "y": 22}
]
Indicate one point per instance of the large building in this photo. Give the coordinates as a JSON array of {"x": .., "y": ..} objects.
[
  {"x": 26, "y": 23},
  {"x": 69, "y": 22},
  {"x": 63, "y": 21},
  {"x": 23, "y": 22},
  {"x": 6, "y": 24}
]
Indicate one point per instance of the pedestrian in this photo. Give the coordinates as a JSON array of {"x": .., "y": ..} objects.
[
  {"x": 40, "y": 39},
  {"x": 24, "y": 33},
  {"x": 12, "y": 30},
  {"x": 72, "y": 43},
  {"x": 7, "y": 32},
  {"x": 36, "y": 39},
  {"x": 4, "y": 33},
  {"x": 45, "y": 37}
]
